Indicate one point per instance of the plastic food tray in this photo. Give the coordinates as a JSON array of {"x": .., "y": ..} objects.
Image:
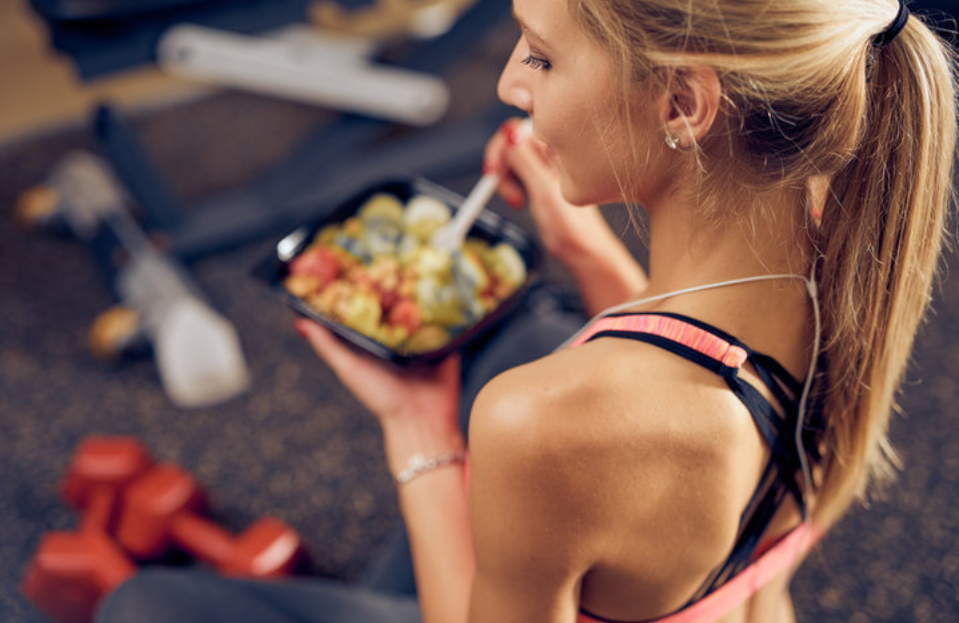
[{"x": 489, "y": 226}]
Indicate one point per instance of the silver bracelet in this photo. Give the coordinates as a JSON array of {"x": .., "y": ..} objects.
[{"x": 419, "y": 464}]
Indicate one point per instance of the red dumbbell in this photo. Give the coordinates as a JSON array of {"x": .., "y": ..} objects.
[
  {"x": 72, "y": 571},
  {"x": 163, "y": 509},
  {"x": 103, "y": 463}
]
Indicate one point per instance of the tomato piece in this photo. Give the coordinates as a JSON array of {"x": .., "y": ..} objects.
[
  {"x": 406, "y": 313},
  {"x": 319, "y": 263},
  {"x": 388, "y": 298}
]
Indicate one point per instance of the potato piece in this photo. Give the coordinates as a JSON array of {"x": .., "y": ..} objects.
[
  {"x": 327, "y": 300},
  {"x": 506, "y": 263},
  {"x": 362, "y": 312},
  {"x": 391, "y": 336},
  {"x": 430, "y": 262},
  {"x": 425, "y": 208},
  {"x": 469, "y": 274},
  {"x": 301, "y": 286},
  {"x": 429, "y": 337},
  {"x": 382, "y": 207}
]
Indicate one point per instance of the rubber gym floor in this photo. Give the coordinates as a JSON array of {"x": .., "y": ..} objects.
[{"x": 298, "y": 446}]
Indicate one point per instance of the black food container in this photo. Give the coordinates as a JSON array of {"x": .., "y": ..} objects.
[{"x": 489, "y": 227}]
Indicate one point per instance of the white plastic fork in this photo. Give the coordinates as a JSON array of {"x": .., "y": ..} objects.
[{"x": 450, "y": 236}]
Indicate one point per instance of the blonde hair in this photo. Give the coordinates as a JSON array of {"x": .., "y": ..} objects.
[{"x": 807, "y": 93}]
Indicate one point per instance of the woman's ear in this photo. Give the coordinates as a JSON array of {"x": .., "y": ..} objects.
[{"x": 691, "y": 104}]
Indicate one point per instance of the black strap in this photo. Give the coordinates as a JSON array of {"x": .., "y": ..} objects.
[
  {"x": 775, "y": 426},
  {"x": 677, "y": 348},
  {"x": 767, "y": 367}
]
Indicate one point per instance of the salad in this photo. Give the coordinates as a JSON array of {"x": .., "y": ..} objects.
[{"x": 376, "y": 273}]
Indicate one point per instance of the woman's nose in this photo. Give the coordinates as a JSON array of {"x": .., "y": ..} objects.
[{"x": 511, "y": 88}]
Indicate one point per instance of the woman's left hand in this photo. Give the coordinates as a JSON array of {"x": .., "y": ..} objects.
[{"x": 417, "y": 396}]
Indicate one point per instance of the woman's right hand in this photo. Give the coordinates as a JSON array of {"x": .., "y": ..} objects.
[
  {"x": 528, "y": 178},
  {"x": 579, "y": 237}
]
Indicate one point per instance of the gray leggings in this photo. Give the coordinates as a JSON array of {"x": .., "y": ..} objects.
[{"x": 388, "y": 593}]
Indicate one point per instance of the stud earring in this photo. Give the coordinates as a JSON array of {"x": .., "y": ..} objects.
[{"x": 672, "y": 141}]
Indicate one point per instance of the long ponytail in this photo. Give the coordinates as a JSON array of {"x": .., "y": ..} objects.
[
  {"x": 809, "y": 95},
  {"x": 882, "y": 232}
]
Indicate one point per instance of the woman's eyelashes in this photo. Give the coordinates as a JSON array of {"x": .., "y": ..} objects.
[{"x": 537, "y": 62}]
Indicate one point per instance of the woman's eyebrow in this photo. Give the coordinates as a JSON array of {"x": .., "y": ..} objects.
[{"x": 528, "y": 32}]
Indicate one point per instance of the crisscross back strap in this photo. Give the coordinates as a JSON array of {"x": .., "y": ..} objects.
[{"x": 725, "y": 355}]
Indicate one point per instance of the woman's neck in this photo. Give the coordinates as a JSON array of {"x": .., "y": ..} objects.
[{"x": 687, "y": 249}]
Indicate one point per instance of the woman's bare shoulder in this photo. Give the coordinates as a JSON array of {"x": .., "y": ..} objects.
[
  {"x": 622, "y": 443},
  {"x": 624, "y": 394}
]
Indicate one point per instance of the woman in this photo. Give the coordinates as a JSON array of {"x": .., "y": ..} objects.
[{"x": 794, "y": 159}]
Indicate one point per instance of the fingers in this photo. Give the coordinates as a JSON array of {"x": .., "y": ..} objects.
[
  {"x": 493, "y": 159},
  {"x": 509, "y": 188},
  {"x": 529, "y": 162},
  {"x": 512, "y": 135},
  {"x": 522, "y": 162},
  {"x": 449, "y": 369},
  {"x": 512, "y": 192}
]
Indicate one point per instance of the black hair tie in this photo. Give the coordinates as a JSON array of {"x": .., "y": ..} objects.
[{"x": 885, "y": 37}]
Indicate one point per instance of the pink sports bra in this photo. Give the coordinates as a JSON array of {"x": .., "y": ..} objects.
[{"x": 751, "y": 565}]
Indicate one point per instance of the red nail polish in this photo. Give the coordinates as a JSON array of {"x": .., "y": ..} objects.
[
  {"x": 300, "y": 327},
  {"x": 516, "y": 202},
  {"x": 512, "y": 136},
  {"x": 487, "y": 168}
]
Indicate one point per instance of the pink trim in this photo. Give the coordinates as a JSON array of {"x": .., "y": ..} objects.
[
  {"x": 774, "y": 561},
  {"x": 673, "y": 329},
  {"x": 777, "y": 559}
]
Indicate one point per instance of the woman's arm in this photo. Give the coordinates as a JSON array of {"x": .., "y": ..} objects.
[
  {"x": 417, "y": 411},
  {"x": 437, "y": 521},
  {"x": 527, "y": 560},
  {"x": 603, "y": 269},
  {"x": 534, "y": 529}
]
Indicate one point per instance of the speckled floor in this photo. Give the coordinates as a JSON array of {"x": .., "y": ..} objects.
[{"x": 299, "y": 447}]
